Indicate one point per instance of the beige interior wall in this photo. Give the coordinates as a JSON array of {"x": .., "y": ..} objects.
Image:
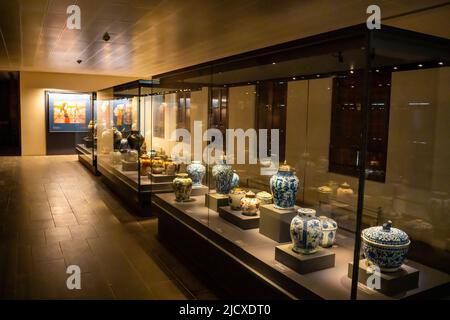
[
  {"x": 32, "y": 101},
  {"x": 241, "y": 115},
  {"x": 199, "y": 112}
]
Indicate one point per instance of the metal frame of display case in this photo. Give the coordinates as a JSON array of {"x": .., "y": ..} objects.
[
  {"x": 252, "y": 266},
  {"x": 88, "y": 155}
]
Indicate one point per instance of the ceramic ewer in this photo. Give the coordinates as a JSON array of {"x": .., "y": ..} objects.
[
  {"x": 223, "y": 175},
  {"x": 196, "y": 172},
  {"x": 250, "y": 204},
  {"x": 329, "y": 229},
  {"x": 284, "y": 187},
  {"x": 305, "y": 231},
  {"x": 182, "y": 186},
  {"x": 385, "y": 246},
  {"x": 235, "y": 197}
]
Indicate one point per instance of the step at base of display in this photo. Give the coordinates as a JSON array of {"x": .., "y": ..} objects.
[
  {"x": 199, "y": 190},
  {"x": 159, "y": 178},
  {"x": 237, "y": 218},
  {"x": 215, "y": 200},
  {"x": 304, "y": 263},
  {"x": 390, "y": 283}
]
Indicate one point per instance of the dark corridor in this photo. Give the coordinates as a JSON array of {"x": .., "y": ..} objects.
[{"x": 9, "y": 114}]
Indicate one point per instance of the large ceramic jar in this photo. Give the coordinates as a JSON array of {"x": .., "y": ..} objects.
[
  {"x": 264, "y": 197},
  {"x": 305, "y": 231},
  {"x": 145, "y": 164},
  {"x": 235, "y": 197},
  {"x": 131, "y": 156},
  {"x": 196, "y": 171},
  {"x": 123, "y": 145},
  {"x": 284, "y": 187},
  {"x": 385, "y": 246},
  {"x": 117, "y": 138},
  {"x": 182, "y": 186},
  {"x": 135, "y": 140},
  {"x": 344, "y": 193},
  {"x": 250, "y": 204},
  {"x": 223, "y": 175},
  {"x": 329, "y": 228}
]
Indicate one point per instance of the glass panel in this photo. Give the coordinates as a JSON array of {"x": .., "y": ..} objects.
[{"x": 413, "y": 198}]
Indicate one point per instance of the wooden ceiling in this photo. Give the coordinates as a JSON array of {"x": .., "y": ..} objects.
[{"x": 154, "y": 36}]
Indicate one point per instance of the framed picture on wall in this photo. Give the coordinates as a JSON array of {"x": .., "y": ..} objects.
[{"x": 68, "y": 111}]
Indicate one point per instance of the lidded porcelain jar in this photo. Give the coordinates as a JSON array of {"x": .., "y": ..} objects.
[
  {"x": 235, "y": 197},
  {"x": 171, "y": 167},
  {"x": 223, "y": 175},
  {"x": 135, "y": 140},
  {"x": 196, "y": 171},
  {"x": 385, "y": 246},
  {"x": 264, "y": 197},
  {"x": 250, "y": 204},
  {"x": 344, "y": 192},
  {"x": 117, "y": 138},
  {"x": 305, "y": 231},
  {"x": 123, "y": 145},
  {"x": 329, "y": 229},
  {"x": 182, "y": 186},
  {"x": 284, "y": 187}
]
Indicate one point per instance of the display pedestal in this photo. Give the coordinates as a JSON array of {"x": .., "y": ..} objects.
[
  {"x": 160, "y": 177},
  {"x": 214, "y": 201},
  {"x": 199, "y": 190},
  {"x": 275, "y": 223},
  {"x": 304, "y": 263},
  {"x": 404, "y": 279},
  {"x": 129, "y": 165},
  {"x": 237, "y": 218}
]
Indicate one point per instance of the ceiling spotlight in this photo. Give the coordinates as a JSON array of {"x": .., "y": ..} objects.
[
  {"x": 395, "y": 68},
  {"x": 79, "y": 61},
  {"x": 441, "y": 63},
  {"x": 420, "y": 65},
  {"x": 106, "y": 37},
  {"x": 294, "y": 78},
  {"x": 352, "y": 72},
  {"x": 377, "y": 70},
  {"x": 274, "y": 63}
]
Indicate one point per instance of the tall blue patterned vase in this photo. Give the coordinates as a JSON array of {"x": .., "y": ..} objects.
[{"x": 284, "y": 187}]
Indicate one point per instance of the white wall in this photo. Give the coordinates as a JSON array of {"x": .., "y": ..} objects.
[{"x": 32, "y": 101}]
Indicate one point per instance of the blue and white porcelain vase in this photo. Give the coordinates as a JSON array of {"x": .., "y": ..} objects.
[
  {"x": 385, "y": 247},
  {"x": 235, "y": 180},
  {"x": 305, "y": 231},
  {"x": 329, "y": 228},
  {"x": 196, "y": 172},
  {"x": 284, "y": 187},
  {"x": 223, "y": 176}
]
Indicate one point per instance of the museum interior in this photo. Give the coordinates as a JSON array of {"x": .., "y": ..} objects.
[{"x": 204, "y": 150}]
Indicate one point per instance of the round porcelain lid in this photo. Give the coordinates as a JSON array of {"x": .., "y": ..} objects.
[
  {"x": 386, "y": 235},
  {"x": 285, "y": 167}
]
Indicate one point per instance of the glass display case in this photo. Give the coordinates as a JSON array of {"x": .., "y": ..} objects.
[
  {"x": 128, "y": 126},
  {"x": 319, "y": 167},
  {"x": 86, "y": 139}
]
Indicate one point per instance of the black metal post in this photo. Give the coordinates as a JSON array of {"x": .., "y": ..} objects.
[{"x": 362, "y": 164}]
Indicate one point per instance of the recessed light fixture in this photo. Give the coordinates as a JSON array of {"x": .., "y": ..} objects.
[
  {"x": 441, "y": 63},
  {"x": 274, "y": 63},
  {"x": 377, "y": 70},
  {"x": 420, "y": 65},
  {"x": 294, "y": 78},
  {"x": 352, "y": 72},
  {"x": 395, "y": 68},
  {"x": 318, "y": 76}
]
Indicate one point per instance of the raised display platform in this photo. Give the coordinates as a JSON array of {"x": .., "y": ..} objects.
[
  {"x": 215, "y": 200},
  {"x": 304, "y": 263},
  {"x": 275, "y": 223},
  {"x": 237, "y": 218},
  {"x": 406, "y": 278}
]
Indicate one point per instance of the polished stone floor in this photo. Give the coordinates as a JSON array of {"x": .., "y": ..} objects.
[{"x": 54, "y": 213}]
